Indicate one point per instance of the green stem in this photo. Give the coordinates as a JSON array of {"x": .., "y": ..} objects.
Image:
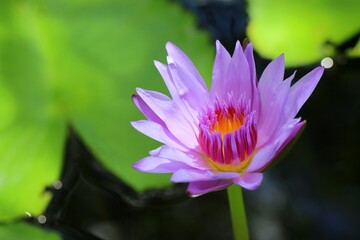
[{"x": 238, "y": 214}]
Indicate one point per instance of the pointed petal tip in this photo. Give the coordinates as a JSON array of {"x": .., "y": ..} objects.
[
  {"x": 281, "y": 57},
  {"x": 219, "y": 47},
  {"x": 139, "y": 166},
  {"x": 139, "y": 90},
  {"x": 134, "y": 96},
  {"x": 156, "y": 62},
  {"x": 320, "y": 69},
  {"x": 169, "y": 45},
  {"x": 249, "y": 47},
  {"x": 136, "y": 166},
  {"x": 134, "y": 123},
  {"x": 238, "y": 47},
  {"x": 173, "y": 50}
]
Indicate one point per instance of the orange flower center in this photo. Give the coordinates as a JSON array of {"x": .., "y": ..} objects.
[{"x": 228, "y": 136}]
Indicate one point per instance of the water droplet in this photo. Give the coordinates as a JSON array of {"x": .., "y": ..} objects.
[
  {"x": 27, "y": 213},
  {"x": 57, "y": 185},
  {"x": 42, "y": 219},
  {"x": 327, "y": 62}
]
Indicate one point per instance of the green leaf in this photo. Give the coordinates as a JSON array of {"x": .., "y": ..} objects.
[
  {"x": 79, "y": 62},
  {"x": 32, "y": 133},
  {"x": 26, "y": 231},
  {"x": 30, "y": 160},
  {"x": 355, "y": 52},
  {"x": 110, "y": 49},
  {"x": 300, "y": 29}
]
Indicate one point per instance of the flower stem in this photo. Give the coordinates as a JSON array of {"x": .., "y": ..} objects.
[{"x": 238, "y": 214}]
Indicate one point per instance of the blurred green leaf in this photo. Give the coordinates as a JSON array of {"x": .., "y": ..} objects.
[
  {"x": 25, "y": 231},
  {"x": 30, "y": 160},
  {"x": 79, "y": 62},
  {"x": 355, "y": 52},
  {"x": 300, "y": 29}
]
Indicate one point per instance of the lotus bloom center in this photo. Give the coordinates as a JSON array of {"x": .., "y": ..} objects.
[{"x": 228, "y": 135}]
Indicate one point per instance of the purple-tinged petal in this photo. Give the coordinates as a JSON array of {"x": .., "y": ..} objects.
[
  {"x": 286, "y": 145},
  {"x": 274, "y": 112},
  {"x": 183, "y": 129},
  {"x": 250, "y": 181},
  {"x": 165, "y": 74},
  {"x": 194, "y": 175},
  {"x": 294, "y": 132},
  {"x": 184, "y": 61},
  {"x": 255, "y": 100},
  {"x": 190, "y": 158},
  {"x": 224, "y": 175},
  {"x": 270, "y": 79},
  {"x": 158, "y": 165},
  {"x": 249, "y": 55},
  {"x": 188, "y": 111},
  {"x": 237, "y": 79},
  {"x": 222, "y": 60},
  {"x": 158, "y": 132},
  {"x": 198, "y": 188},
  {"x": 301, "y": 91},
  {"x": 262, "y": 158},
  {"x": 188, "y": 175},
  {"x": 187, "y": 87},
  {"x": 272, "y": 76},
  {"x": 268, "y": 87},
  {"x": 144, "y": 109},
  {"x": 286, "y": 133}
]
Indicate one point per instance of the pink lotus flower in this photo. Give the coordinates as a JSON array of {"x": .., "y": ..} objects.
[{"x": 228, "y": 135}]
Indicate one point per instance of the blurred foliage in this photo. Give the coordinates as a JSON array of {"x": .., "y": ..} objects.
[
  {"x": 77, "y": 63},
  {"x": 306, "y": 31},
  {"x": 355, "y": 52},
  {"x": 25, "y": 231}
]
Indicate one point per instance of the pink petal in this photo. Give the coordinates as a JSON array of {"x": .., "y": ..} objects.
[
  {"x": 284, "y": 132},
  {"x": 238, "y": 79},
  {"x": 262, "y": 158},
  {"x": 190, "y": 175},
  {"x": 186, "y": 85},
  {"x": 273, "y": 116},
  {"x": 158, "y": 165},
  {"x": 188, "y": 111},
  {"x": 269, "y": 152},
  {"x": 294, "y": 132},
  {"x": 250, "y": 181},
  {"x": 158, "y": 132},
  {"x": 198, "y": 188},
  {"x": 144, "y": 109},
  {"x": 194, "y": 175},
  {"x": 301, "y": 91},
  {"x": 221, "y": 64},
  {"x": 272, "y": 76},
  {"x": 248, "y": 52},
  {"x": 167, "y": 110},
  {"x": 184, "y": 61},
  {"x": 165, "y": 74},
  {"x": 190, "y": 158}
]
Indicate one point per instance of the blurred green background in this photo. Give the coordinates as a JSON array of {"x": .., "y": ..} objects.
[{"x": 77, "y": 63}]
